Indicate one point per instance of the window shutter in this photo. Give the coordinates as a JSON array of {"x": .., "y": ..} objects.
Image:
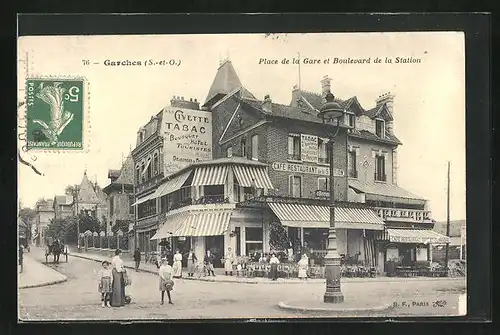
[{"x": 290, "y": 145}]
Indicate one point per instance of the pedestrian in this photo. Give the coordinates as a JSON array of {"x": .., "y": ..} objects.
[
  {"x": 118, "y": 296},
  {"x": 105, "y": 284},
  {"x": 177, "y": 266},
  {"x": 137, "y": 259},
  {"x": 191, "y": 262},
  {"x": 21, "y": 255},
  {"x": 209, "y": 262},
  {"x": 228, "y": 262},
  {"x": 166, "y": 283},
  {"x": 303, "y": 266},
  {"x": 274, "y": 261}
]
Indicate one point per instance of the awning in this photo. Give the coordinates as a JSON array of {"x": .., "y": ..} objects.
[
  {"x": 210, "y": 175},
  {"x": 171, "y": 185},
  {"x": 245, "y": 175},
  {"x": 171, "y": 224},
  {"x": 385, "y": 192},
  {"x": 205, "y": 223},
  {"x": 143, "y": 199},
  {"x": 312, "y": 216},
  {"x": 421, "y": 236}
]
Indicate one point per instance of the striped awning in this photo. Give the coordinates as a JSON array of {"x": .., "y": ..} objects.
[
  {"x": 420, "y": 236},
  {"x": 210, "y": 175},
  {"x": 245, "y": 175},
  {"x": 171, "y": 224},
  {"x": 205, "y": 223},
  {"x": 143, "y": 199},
  {"x": 171, "y": 185},
  {"x": 312, "y": 216}
]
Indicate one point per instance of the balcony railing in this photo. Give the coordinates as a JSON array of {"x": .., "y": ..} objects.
[
  {"x": 380, "y": 176},
  {"x": 353, "y": 173},
  {"x": 211, "y": 199},
  {"x": 293, "y": 157},
  {"x": 404, "y": 214}
]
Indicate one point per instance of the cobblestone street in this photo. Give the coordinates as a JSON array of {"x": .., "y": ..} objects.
[{"x": 78, "y": 297}]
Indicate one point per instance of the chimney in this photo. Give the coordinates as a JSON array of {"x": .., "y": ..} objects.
[
  {"x": 296, "y": 101},
  {"x": 179, "y": 102},
  {"x": 325, "y": 85},
  {"x": 388, "y": 100},
  {"x": 267, "y": 104}
]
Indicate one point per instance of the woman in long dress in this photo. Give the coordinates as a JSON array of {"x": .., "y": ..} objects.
[
  {"x": 303, "y": 266},
  {"x": 177, "y": 267},
  {"x": 118, "y": 295},
  {"x": 191, "y": 262},
  {"x": 228, "y": 262}
]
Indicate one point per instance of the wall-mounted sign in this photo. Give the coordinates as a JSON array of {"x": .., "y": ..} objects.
[
  {"x": 309, "y": 169},
  {"x": 309, "y": 148},
  {"x": 188, "y": 137},
  {"x": 322, "y": 194}
]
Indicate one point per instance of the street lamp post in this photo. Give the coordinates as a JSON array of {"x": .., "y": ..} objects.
[{"x": 329, "y": 112}]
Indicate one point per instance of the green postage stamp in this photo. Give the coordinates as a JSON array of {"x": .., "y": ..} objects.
[{"x": 56, "y": 110}]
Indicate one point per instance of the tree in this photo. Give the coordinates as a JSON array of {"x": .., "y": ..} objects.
[
  {"x": 121, "y": 225},
  {"x": 72, "y": 190},
  {"x": 278, "y": 237},
  {"x": 27, "y": 215}
]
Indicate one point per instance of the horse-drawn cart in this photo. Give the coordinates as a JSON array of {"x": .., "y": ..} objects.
[{"x": 55, "y": 248}]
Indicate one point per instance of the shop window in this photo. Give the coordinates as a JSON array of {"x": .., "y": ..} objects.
[
  {"x": 294, "y": 147},
  {"x": 255, "y": 147},
  {"x": 253, "y": 234},
  {"x": 295, "y": 186},
  {"x": 316, "y": 238},
  {"x": 380, "y": 128},
  {"x": 323, "y": 151}
]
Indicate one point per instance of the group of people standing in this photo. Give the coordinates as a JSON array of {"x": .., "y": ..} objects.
[{"x": 112, "y": 281}]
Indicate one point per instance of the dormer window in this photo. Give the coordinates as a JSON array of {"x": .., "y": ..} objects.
[
  {"x": 380, "y": 128},
  {"x": 141, "y": 136},
  {"x": 350, "y": 119}
]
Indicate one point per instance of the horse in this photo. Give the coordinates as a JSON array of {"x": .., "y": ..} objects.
[{"x": 55, "y": 249}]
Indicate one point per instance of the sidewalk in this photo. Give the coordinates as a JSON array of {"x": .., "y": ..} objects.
[
  {"x": 35, "y": 274},
  {"x": 98, "y": 256}
]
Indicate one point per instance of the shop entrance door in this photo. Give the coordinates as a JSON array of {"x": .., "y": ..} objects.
[
  {"x": 407, "y": 256},
  {"x": 216, "y": 246}
]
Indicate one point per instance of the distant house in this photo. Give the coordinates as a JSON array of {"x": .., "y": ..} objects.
[
  {"x": 91, "y": 200},
  {"x": 63, "y": 206},
  {"x": 457, "y": 237},
  {"x": 44, "y": 215}
]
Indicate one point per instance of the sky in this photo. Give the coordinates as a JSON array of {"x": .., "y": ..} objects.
[{"x": 429, "y": 103}]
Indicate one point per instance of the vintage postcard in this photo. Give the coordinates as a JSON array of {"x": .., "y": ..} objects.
[{"x": 166, "y": 177}]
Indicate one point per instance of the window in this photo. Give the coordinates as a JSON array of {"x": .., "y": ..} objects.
[
  {"x": 294, "y": 147},
  {"x": 323, "y": 184},
  {"x": 237, "y": 233},
  {"x": 323, "y": 151},
  {"x": 141, "y": 136},
  {"x": 253, "y": 240},
  {"x": 156, "y": 164},
  {"x": 149, "y": 172},
  {"x": 380, "y": 168},
  {"x": 255, "y": 147},
  {"x": 131, "y": 202},
  {"x": 143, "y": 171},
  {"x": 295, "y": 186},
  {"x": 351, "y": 164},
  {"x": 111, "y": 205},
  {"x": 350, "y": 119},
  {"x": 243, "y": 147},
  {"x": 229, "y": 152},
  {"x": 380, "y": 128},
  {"x": 137, "y": 174}
]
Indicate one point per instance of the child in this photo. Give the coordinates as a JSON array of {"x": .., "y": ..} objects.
[
  {"x": 105, "y": 281},
  {"x": 166, "y": 282}
]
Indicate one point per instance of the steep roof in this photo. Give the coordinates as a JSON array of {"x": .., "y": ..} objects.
[
  {"x": 87, "y": 194},
  {"x": 101, "y": 195},
  {"x": 126, "y": 174},
  {"x": 225, "y": 81}
]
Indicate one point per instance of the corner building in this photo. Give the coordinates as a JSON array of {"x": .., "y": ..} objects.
[{"x": 377, "y": 221}]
